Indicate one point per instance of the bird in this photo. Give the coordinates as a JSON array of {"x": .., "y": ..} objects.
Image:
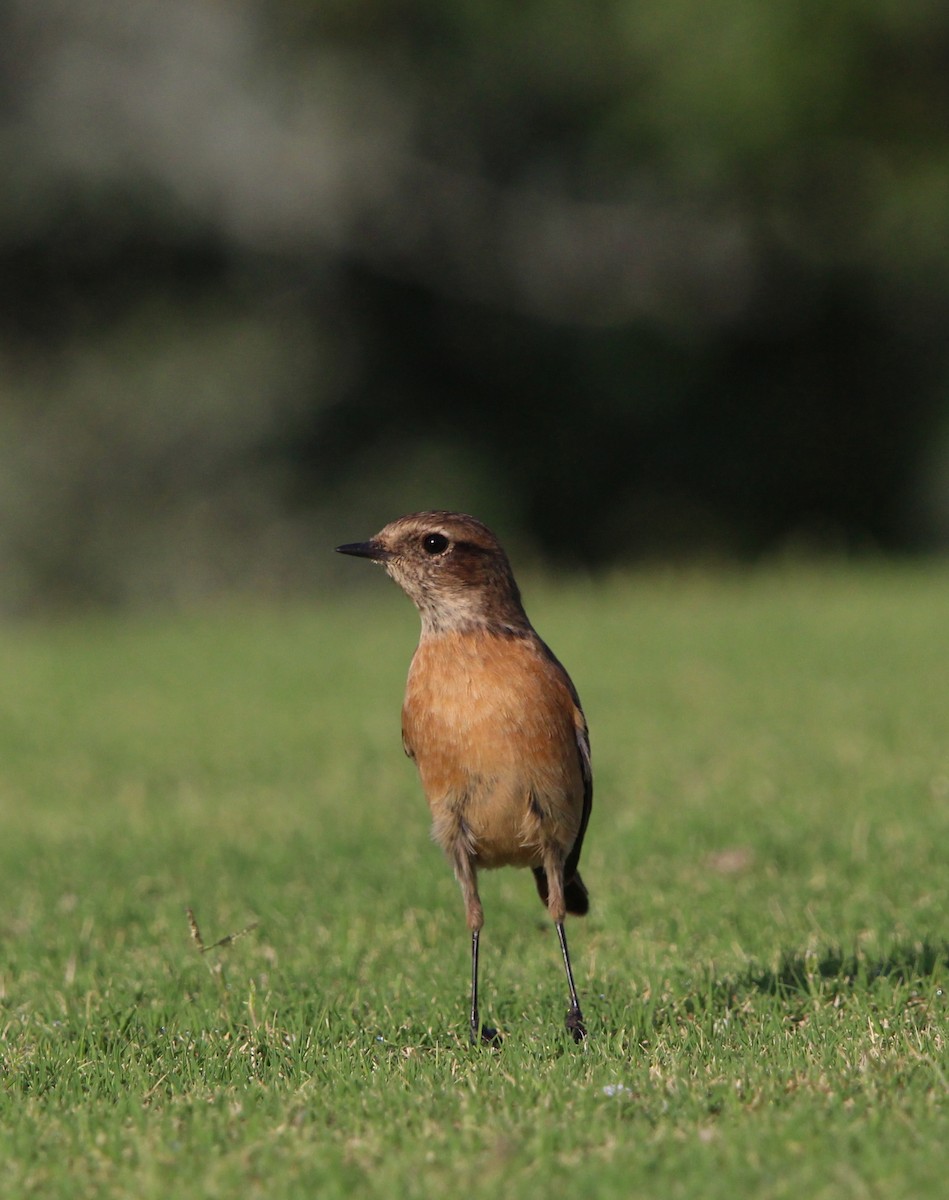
[{"x": 493, "y": 723}]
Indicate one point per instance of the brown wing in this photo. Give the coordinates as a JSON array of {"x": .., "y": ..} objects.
[
  {"x": 586, "y": 768},
  {"x": 575, "y": 892}
]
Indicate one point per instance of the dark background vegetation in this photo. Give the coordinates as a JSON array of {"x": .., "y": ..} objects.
[{"x": 628, "y": 278}]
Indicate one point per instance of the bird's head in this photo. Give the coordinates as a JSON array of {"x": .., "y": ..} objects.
[{"x": 452, "y": 567}]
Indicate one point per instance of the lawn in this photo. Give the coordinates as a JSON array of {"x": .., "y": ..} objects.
[{"x": 763, "y": 972}]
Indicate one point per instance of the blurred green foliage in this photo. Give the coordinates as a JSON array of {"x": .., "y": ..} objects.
[{"x": 628, "y": 278}]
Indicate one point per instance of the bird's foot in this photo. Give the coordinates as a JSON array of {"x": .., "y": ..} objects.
[
  {"x": 575, "y": 1025},
  {"x": 484, "y": 1035}
]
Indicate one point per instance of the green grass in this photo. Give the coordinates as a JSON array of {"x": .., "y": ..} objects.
[{"x": 764, "y": 969}]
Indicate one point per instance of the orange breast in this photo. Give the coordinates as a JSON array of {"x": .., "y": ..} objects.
[{"x": 492, "y": 726}]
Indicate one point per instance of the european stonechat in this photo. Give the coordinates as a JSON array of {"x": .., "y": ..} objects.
[{"x": 493, "y": 723}]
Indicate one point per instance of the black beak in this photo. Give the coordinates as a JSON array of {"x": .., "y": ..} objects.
[{"x": 369, "y": 549}]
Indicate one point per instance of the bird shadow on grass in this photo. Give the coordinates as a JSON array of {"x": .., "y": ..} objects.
[
  {"x": 798, "y": 981},
  {"x": 833, "y": 970},
  {"x": 829, "y": 974}
]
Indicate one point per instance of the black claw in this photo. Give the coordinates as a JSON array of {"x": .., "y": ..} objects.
[
  {"x": 486, "y": 1037},
  {"x": 575, "y": 1025}
]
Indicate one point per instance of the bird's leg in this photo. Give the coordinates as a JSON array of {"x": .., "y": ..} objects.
[
  {"x": 467, "y": 878},
  {"x": 575, "y": 1023},
  {"x": 556, "y": 906},
  {"x": 477, "y": 1032}
]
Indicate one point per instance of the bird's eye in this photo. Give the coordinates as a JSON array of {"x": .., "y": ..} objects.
[{"x": 434, "y": 543}]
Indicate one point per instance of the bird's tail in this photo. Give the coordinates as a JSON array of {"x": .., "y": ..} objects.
[{"x": 575, "y": 893}]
